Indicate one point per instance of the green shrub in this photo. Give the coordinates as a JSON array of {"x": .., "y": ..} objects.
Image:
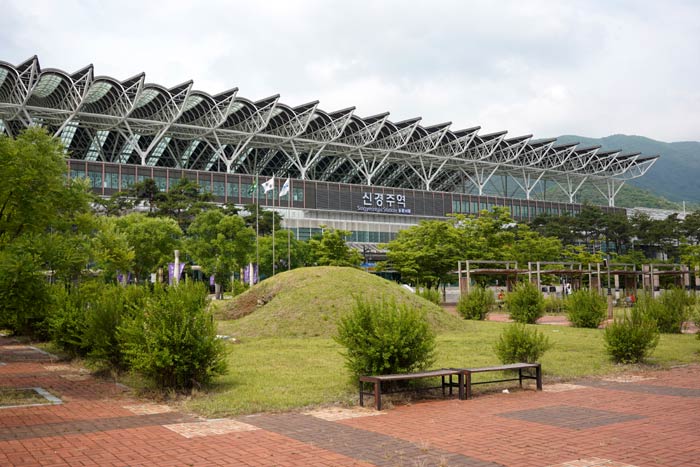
[
  {"x": 24, "y": 292},
  {"x": 173, "y": 341},
  {"x": 432, "y": 295},
  {"x": 114, "y": 305},
  {"x": 519, "y": 343},
  {"x": 553, "y": 305},
  {"x": 586, "y": 308},
  {"x": 385, "y": 338},
  {"x": 675, "y": 310},
  {"x": 67, "y": 320},
  {"x": 476, "y": 304},
  {"x": 525, "y": 304},
  {"x": 238, "y": 287},
  {"x": 632, "y": 338}
]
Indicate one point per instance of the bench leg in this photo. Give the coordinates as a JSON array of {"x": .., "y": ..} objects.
[
  {"x": 468, "y": 384},
  {"x": 460, "y": 383},
  {"x": 538, "y": 373},
  {"x": 520, "y": 377},
  {"x": 362, "y": 396},
  {"x": 378, "y": 395}
]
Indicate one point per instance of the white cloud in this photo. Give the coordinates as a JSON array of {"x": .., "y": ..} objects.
[{"x": 547, "y": 68}]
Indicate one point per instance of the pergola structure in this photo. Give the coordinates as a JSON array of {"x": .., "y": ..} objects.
[{"x": 100, "y": 118}]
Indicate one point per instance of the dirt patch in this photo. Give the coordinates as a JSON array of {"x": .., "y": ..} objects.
[{"x": 249, "y": 301}]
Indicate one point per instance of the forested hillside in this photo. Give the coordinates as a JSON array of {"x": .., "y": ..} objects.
[{"x": 674, "y": 176}]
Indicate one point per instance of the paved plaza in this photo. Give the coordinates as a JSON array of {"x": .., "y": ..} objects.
[{"x": 640, "y": 419}]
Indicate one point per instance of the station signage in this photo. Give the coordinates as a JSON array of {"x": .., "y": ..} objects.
[{"x": 384, "y": 203}]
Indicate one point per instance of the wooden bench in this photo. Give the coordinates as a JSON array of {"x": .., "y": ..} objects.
[
  {"x": 443, "y": 374},
  {"x": 467, "y": 372}
]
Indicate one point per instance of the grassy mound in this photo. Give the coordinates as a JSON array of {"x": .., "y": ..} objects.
[{"x": 308, "y": 302}]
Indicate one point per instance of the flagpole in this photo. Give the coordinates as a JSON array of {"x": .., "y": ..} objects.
[
  {"x": 289, "y": 227},
  {"x": 257, "y": 223},
  {"x": 273, "y": 226}
]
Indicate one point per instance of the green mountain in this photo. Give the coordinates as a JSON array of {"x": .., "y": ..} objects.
[{"x": 674, "y": 176}]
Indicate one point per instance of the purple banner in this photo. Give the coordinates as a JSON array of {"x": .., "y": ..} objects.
[
  {"x": 171, "y": 270},
  {"x": 246, "y": 273}
]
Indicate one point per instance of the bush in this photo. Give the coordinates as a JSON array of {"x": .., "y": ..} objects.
[
  {"x": 24, "y": 292},
  {"x": 385, "y": 338},
  {"x": 518, "y": 343},
  {"x": 675, "y": 310},
  {"x": 114, "y": 305},
  {"x": 553, "y": 305},
  {"x": 476, "y": 304},
  {"x": 238, "y": 287},
  {"x": 432, "y": 295},
  {"x": 632, "y": 338},
  {"x": 67, "y": 319},
  {"x": 173, "y": 341},
  {"x": 525, "y": 304},
  {"x": 586, "y": 308}
]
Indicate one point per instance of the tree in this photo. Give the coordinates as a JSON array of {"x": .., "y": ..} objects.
[
  {"x": 153, "y": 240},
  {"x": 286, "y": 248},
  {"x": 561, "y": 227},
  {"x": 182, "y": 202},
  {"x": 331, "y": 249},
  {"x": 427, "y": 253},
  {"x": 690, "y": 228},
  {"x": 220, "y": 244},
  {"x": 33, "y": 193},
  {"x": 44, "y": 226},
  {"x": 616, "y": 228},
  {"x": 589, "y": 224},
  {"x": 111, "y": 249},
  {"x": 531, "y": 246},
  {"x": 265, "y": 219}
]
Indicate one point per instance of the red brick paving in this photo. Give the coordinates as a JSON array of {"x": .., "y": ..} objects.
[{"x": 645, "y": 422}]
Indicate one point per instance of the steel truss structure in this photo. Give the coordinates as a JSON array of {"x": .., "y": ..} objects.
[{"x": 100, "y": 118}]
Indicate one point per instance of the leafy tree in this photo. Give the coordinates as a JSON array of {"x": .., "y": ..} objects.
[
  {"x": 265, "y": 219},
  {"x": 561, "y": 227},
  {"x": 426, "y": 253},
  {"x": 182, "y": 202},
  {"x": 32, "y": 169},
  {"x": 331, "y": 249},
  {"x": 111, "y": 249},
  {"x": 589, "y": 224},
  {"x": 286, "y": 248},
  {"x": 690, "y": 255},
  {"x": 44, "y": 223},
  {"x": 531, "y": 246},
  {"x": 220, "y": 244},
  {"x": 153, "y": 240},
  {"x": 616, "y": 228},
  {"x": 690, "y": 228},
  {"x": 579, "y": 254}
]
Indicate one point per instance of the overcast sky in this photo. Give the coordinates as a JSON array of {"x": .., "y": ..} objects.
[{"x": 546, "y": 68}]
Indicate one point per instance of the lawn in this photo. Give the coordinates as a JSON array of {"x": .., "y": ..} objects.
[{"x": 277, "y": 374}]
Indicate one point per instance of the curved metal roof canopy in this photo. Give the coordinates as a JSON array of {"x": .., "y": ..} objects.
[{"x": 134, "y": 122}]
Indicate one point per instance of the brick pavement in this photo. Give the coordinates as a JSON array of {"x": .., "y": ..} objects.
[{"x": 647, "y": 419}]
